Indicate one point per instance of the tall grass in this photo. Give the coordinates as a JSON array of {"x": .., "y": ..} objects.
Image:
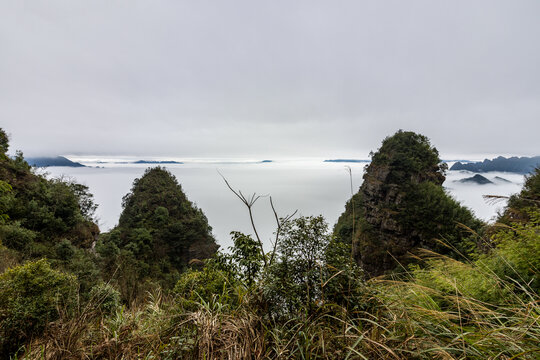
[
  {"x": 445, "y": 309},
  {"x": 431, "y": 315}
]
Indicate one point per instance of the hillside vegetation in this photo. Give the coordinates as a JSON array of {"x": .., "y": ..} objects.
[
  {"x": 407, "y": 273},
  {"x": 159, "y": 232}
]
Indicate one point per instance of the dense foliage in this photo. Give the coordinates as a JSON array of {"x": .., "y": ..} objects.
[
  {"x": 408, "y": 157},
  {"x": 295, "y": 281},
  {"x": 38, "y": 213},
  {"x": 516, "y": 253},
  {"x": 31, "y": 296},
  {"x": 520, "y": 205},
  {"x": 159, "y": 232},
  {"x": 448, "y": 309},
  {"x": 46, "y": 218}
]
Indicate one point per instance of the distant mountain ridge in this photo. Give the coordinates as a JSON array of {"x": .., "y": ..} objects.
[
  {"x": 52, "y": 161},
  {"x": 477, "y": 179},
  {"x": 347, "y": 161},
  {"x": 156, "y": 162},
  {"x": 521, "y": 165}
]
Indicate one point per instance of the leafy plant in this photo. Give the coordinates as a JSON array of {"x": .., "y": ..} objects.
[
  {"x": 246, "y": 258},
  {"x": 295, "y": 281},
  {"x": 30, "y": 297},
  {"x": 106, "y": 297}
]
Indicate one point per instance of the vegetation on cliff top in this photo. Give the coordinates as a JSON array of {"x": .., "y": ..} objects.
[
  {"x": 45, "y": 218},
  {"x": 159, "y": 232},
  {"x": 528, "y": 200},
  {"x": 402, "y": 207}
]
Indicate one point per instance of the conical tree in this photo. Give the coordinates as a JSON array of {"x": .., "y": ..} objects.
[
  {"x": 402, "y": 206},
  {"x": 158, "y": 233}
]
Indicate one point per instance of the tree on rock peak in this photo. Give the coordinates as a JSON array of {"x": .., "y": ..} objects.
[
  {"x": 159, "y": 231},
  {"x": 402, "y": 207}
]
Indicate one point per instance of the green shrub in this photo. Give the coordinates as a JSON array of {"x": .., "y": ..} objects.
[
  {"x": 106, "y": 297},
  {"x": 31, "y": 296},
  {"x": 83, "y": 264},
  {"x": 64, "y": 250},
  {"x": 5, "y": 198},
  {"x": 295, "y": 281},
  {"x": 16, "y": 237},
  {"x": 344, "y": 282},
  {"x": 208, "y": 284},
  {"x": 8, "y": 258},
  {"x": 4, "y": 142},
  {"x": 516, "y": 256},
  {"x": 520, "y": 205},
  {"x": 451, "y": 277},
  {"x": 246, "y": 258}
]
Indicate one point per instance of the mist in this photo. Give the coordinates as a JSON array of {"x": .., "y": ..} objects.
[
  {"x": 311, "y": 187},
  {"x": 274, "y": 79}
]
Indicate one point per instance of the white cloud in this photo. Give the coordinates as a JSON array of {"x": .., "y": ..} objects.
[{"x": 211, "y": 78}]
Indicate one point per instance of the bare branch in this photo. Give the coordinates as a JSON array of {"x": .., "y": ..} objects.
[
  {"x": 257, "y": 234},
  {"x": 249, "y": 204},
  {"x": 240, "y": 196},
  {"x": 493, "y": 199},
  {"x": 279, "y": 226}
]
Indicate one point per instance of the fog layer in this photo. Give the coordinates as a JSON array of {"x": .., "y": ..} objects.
[{"x": 311, "y": 187}]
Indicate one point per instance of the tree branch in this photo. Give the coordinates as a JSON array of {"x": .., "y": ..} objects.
[
  {"x": 279, "y": 225},
  {"x": 249, "y": 204}
]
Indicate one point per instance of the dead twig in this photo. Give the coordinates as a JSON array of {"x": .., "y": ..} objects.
[
  {"x": 279, "y": 222},
  {"x": 249, "y": 204}
]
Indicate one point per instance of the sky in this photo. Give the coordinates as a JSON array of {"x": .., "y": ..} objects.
[{"x": 268, "y": 79}]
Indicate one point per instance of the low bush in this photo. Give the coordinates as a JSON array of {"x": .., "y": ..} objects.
[
  {"x": 16, "y": 237},
  {"x": 516, "y": 256},
  {"x": 206, "y": 285},
  {"x": 106, "y": 297},
  {"x": 31, "y": 295}
]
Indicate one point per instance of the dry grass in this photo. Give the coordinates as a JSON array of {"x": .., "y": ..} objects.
[
  {"x": 404, "y": 319},
  {"x": 228, "y": 336}
]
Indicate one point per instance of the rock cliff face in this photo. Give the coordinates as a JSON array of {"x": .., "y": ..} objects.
[{"x": 402, "y": 206}]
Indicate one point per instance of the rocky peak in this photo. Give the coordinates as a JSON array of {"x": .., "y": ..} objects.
[{"x": 403, "y": 204}]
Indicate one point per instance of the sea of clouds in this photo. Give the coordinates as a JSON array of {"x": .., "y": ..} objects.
[{"x": 311, "y": 187}]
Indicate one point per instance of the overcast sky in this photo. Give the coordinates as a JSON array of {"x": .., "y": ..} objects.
[{"x": 268, "y": 79}]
